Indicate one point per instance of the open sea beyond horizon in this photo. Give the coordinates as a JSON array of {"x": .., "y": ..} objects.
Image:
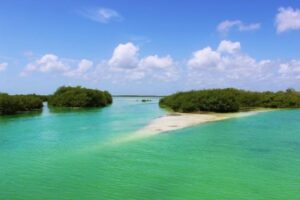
[{"x": 72, "y": 154}]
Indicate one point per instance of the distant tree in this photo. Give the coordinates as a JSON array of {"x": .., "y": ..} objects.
[{"x": 290, "y": 90}]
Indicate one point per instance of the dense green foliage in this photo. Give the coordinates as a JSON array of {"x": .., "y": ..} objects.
[
  {"x": 229, "y": 100},
  {"x": 63, "y": 97},
  {"x": 44, "y": 98},
  {"x": 79, "y": 97},
  {"x": 12, "y": 104}
]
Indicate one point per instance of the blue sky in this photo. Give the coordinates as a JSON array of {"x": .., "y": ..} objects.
[{"x": 149, "y": 47}]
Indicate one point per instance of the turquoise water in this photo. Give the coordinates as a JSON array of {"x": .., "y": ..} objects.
[{"x": 60, "y": 154}]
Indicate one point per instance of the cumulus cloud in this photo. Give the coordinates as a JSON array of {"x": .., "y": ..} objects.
[
  {"x": 229, "y": 66},
  {"x": 125, "y": 64},
  {"x": 224, "y": 66},
  {"x": 161, "y": 68},
  {"x": 207, "y": 57},
  {"x": 227, "y": 25},
  {"x": 3, "y": 66},
  {"x": 83, "y": 66},
  {"x": 124, "y": 56},
  {"x": 287, "y": 19},
  {"x": 290, "y": 69},
  {"x": 102, "y": 15},
  {"x": 50, "y": 63},
  {"x": 229, "y": 47},
  {"x": 47, "y": 63},
  {"x": 204, "y": 58},
  {"x": 154, "y": 61}
]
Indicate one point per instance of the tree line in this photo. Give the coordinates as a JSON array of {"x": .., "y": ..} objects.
[
  {"x": 229, "y": 100},
  {"x": 63, "y": 97}
]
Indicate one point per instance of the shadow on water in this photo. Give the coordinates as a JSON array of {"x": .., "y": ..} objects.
[
  {"x": 62, "y": 110},
  {"x": 46, "y": 110},
  {"x": 30, "y": 114}
]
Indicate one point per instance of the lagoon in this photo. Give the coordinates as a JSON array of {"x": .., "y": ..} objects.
[{"x": 73, "y": 154}]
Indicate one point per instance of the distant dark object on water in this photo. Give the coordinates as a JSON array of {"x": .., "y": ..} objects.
[{"x": 146, "y": 100}]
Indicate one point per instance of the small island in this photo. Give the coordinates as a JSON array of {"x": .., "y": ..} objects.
[
  {"x": 63, "y": 97},
  {"x": 78, "y": 97},
  {"x": 229, "y": 100},
  {"x": 13, "y": 104},
  {"x": 202, "y": 106}
]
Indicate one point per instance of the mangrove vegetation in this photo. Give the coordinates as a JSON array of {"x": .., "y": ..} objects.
[
  {"x": 13, "y": 104},
  {"x": 79, "y": 97},
  {"x": 229, "y": 100},
  {"x": 63, "y": 97}
]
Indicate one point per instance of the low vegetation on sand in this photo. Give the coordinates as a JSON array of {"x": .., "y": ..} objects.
[
  {"x": 229, "y": 100},
  {"x": 12, "y": 104},
  {"x": 79, "y": 97}
]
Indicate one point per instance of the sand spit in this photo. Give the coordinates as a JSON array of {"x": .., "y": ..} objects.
[{"x": 175, "y": 121}]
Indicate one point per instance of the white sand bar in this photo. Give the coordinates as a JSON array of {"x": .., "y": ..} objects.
[
  {"x": 178, "y": 121},
  {"x": 174, "y": 121}
]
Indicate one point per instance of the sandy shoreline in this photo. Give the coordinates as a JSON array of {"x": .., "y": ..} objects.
[{"x": 175, "y": 121}]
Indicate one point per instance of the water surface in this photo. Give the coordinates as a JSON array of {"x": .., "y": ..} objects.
[{"x": 63, "y": 154}]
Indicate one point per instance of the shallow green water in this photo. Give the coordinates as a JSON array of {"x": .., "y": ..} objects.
[{"x": 71, "y": 155}]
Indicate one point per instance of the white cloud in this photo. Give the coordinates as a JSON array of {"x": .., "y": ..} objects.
[
  {"x": 155, "y": 61},
  {"x": 290, "y": 69},
  {"x": 47, "y": 63},
  {"x": 3, "y": 66},
  {"x": 105, "y": 14},
  {"x": 224, "y": 66},
  {"x": 50, "y": 63},
  {"x": 83, "y": 66},
  {"x": 204, "y": 58},
  {"x": 160, "y": 68},
  {"x": 102, "y": 15},
  {"x": 126, "y": 65},
  {"x": 229, "y": 47},
  {"x": 224, "y": 26},
  {"x": 227, "y": 25},
  {"x": 287, "y": 19},
  {"x": 228, "y": 65},
  {"x": 124, "y": 56}
]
